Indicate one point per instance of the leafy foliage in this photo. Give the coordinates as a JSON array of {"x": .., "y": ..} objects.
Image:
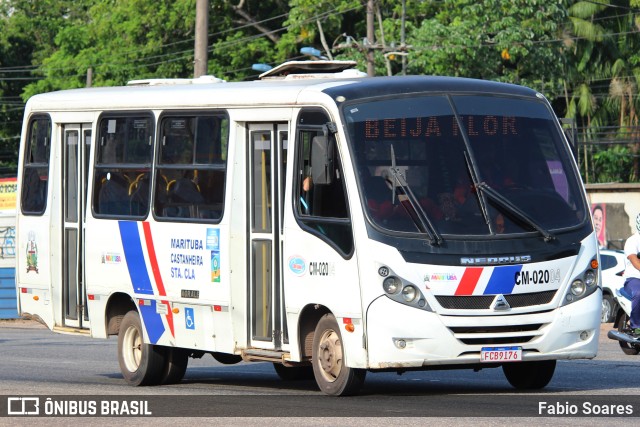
[{"x": 583, "y": 55}]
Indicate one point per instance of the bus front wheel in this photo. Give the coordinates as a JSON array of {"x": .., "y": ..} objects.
[
  {"x": 332, "y": 375},
  {"x": 140, "y": 363},
  {"x": 529, "y": 375}
]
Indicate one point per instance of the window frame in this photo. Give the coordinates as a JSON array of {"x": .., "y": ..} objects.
[
  {"x": 28, "y": 165},
  {"x": 145, "y": 167},
  {"x": 223, "y": 118},
  {"x": 307, "y": 222}
]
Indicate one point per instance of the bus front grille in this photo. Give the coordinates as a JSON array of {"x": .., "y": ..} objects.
[
  {"x": 483, "y": 302},
  {"x": 497, "y": 335}
]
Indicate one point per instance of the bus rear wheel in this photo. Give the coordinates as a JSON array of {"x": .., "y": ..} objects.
[
  {"x": 529, "y": 375},
  {"x": 140, "y": 363},
  {"x": 293, "y": 373},
  {"x": 175, "y": 365},
  {"x": 332, "y": 375}
]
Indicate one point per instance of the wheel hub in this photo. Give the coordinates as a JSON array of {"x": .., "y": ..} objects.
[{"x": 330, "y": 355}]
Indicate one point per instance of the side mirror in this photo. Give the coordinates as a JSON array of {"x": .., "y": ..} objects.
[{"x": 322, "y": 165}]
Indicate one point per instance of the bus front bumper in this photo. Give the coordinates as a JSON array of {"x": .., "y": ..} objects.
[{"x": 400, "y": 337}]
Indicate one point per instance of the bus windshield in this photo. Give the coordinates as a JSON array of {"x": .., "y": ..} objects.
[{"x": 463, "y": 165}]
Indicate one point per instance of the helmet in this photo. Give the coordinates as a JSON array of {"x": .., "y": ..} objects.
[{"x": 638, "y": 223}]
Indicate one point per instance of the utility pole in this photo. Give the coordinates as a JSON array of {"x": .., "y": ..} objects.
[
  {"x": 371, "y": 70},
  {"x": 402, "y": 37},
  {"x": 202, "y": 42}
]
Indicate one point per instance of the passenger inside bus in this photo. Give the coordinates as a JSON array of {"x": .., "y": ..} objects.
[{"x": 305, "y": 197}]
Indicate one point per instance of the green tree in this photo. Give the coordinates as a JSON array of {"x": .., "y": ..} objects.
[
  {"x": 120, "y": 40},
  {"x": 601, "y": 84},
  {"x": 27, "y": 31},
  {"x": 515, "y": 42}
]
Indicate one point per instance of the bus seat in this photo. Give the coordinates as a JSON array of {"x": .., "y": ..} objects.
[
  {"x": 184, "y": 190},
  {"x": 183, "y": 198},
  {"x": 135, "y": 183},
  {"x": 113, "y": 198},
  {"x": 139, "y": 194}
]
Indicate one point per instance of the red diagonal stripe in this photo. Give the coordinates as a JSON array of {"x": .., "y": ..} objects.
[
  {"x": 156, "y": 272},
  {"x": 469, "y": 281}
]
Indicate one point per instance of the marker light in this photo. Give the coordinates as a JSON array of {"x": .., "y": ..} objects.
[{"x": 176, "y": 310}]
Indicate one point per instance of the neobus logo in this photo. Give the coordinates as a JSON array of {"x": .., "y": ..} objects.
[{"x": 518, "y": 259}]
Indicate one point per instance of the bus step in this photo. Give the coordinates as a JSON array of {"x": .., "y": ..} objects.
[
  {"x": 255, "y": 354},
  {"x": 71, "y": 331}
]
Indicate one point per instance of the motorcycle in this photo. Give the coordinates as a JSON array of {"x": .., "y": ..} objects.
[{"x": 629, "y": 343}]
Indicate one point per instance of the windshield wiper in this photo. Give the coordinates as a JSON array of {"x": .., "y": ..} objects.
[
  {"x": 513, "y": 209},
  {"x": 417, "y": 214}
]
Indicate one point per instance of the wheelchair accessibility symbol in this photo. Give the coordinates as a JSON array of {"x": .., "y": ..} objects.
[{"x": 189, "y": 318}]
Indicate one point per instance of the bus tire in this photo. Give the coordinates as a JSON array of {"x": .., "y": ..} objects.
[
  {"x": 529, "y": 375},
  {"x": 175, "y": 366},
  {"x": 226, "y": 358},
  {"x": 293, "y": 373},
  {"x": 332, "y": 375},
  {"x": 140, "y": 363}
]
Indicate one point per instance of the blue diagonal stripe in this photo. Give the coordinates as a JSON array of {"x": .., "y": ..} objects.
[
  {"x": 502, "y": 280},
  {"x": 135, "y": 257}
]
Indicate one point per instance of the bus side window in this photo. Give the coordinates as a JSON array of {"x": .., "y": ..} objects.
[
  {"x": 321, "y": 207},
  {"x": 191, "y": 166},
  {"x": 123, "y": 165},
  {"x": 36, "y": 166}
]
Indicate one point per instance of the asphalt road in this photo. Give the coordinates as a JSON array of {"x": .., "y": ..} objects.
[{"x": 36, "y": 361}]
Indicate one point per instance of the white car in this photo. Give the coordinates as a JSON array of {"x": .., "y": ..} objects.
[{"x": 612, "y": 265}]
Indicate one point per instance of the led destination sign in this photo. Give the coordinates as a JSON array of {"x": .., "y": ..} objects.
[{"x": 437, "y": 126}]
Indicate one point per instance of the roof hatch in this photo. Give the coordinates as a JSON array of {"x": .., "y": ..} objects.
[{"x": 313, "y": 69}]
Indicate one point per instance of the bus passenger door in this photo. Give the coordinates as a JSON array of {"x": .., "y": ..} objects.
[
  {"x": 75, "y": 169},
  {"x": 267, "y": 168}
]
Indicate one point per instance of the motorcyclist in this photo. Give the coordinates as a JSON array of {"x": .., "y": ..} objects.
[{"x": 632, "y": 274}]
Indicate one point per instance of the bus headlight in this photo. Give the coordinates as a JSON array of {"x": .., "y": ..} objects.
[
  {"x": 401, "y": 290},
  {"x": 409, "y": 293},
  {"x": 578, "y": 287},
  {"x": 590, "y": 278},
  {"x": 391, "y": 285},
  {"x": 583, "y": 285}
]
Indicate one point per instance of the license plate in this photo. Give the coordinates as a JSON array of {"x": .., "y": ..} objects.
[{"x": 501, "y": 354}]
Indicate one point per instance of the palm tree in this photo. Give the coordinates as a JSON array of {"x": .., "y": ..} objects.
[{"x": 605, "y": 90}]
